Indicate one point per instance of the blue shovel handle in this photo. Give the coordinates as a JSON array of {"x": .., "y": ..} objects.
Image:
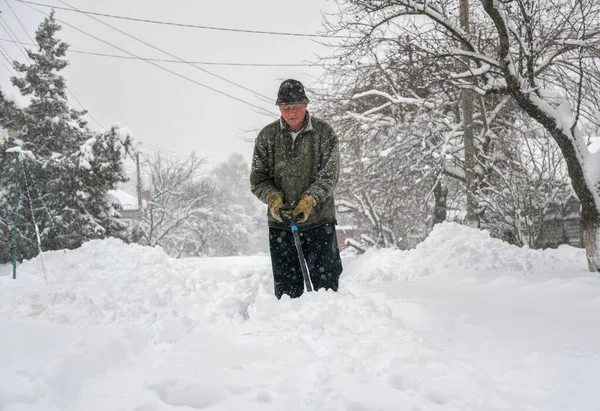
[{"x": 286, "y": 215}]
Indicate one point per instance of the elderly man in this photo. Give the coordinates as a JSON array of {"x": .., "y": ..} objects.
[{"x": 296, "y": 162}]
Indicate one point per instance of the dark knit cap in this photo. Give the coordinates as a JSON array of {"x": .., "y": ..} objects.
[{"x": 291, "y": 92}]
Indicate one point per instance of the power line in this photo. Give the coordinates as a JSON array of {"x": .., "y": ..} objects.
[
  {"x": 11, "y": 33},
  {"x": 82, "y": 106},
  {"x": 69, "y": 91},
  {"x": 147, "y": 151},
  {"x": 8, "y": 58},
  {"x": 5, "y": 54},
  {"x": 158, "y": 65},
  {"x": 208, "y": 63},
  {"x": 16, "y": 40},
  {"x": 195, "y": 26},
  {"x": 19, "y": 20},
  {"x": 8, "y": 68},
  {"x": 156, "y": 148},
  {"x": 171, "y": 55},
  {"x": 170, "y": 153}
]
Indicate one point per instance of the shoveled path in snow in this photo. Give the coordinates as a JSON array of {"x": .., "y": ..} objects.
[{"x": 127, "y": 328}]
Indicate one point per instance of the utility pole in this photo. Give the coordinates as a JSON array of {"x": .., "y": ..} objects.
[
  {"x": 16, "y": 214},
  {"x": 139, "y": 181},
  {"x": 469, "y": 138}
]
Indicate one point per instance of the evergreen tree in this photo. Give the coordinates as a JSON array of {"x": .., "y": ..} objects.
[
  {"x": 8, "y": 121},
  {"x": 64, "y": 184},
  {"x": 9, "y": 113}
]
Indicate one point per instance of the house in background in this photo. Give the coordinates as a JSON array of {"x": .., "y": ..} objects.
[
  {"x": 345, "y": 232},
  {"x": 125, "y": 204}
]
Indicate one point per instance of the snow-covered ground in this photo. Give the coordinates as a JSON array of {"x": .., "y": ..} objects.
[{"x": 464, "y": 322}]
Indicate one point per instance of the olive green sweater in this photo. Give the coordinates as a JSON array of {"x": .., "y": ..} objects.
[{"x": 307, "y": 165}]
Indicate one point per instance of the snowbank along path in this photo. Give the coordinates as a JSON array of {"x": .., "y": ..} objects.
[{"x": 463, "y": 322}]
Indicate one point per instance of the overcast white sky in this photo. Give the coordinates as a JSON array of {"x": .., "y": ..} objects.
[{"x": 162, "y": 109}]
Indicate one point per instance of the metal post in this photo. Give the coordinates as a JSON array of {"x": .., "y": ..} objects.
[
  {"x": 139, "y": 181},
  {"x": 16, "y": 215}
]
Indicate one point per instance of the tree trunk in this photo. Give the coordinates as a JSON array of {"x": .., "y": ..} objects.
[
  {"x": 592, "y": 247},
  {"x": 440, "y": 193},
  {"x": 469, "y": 138}
]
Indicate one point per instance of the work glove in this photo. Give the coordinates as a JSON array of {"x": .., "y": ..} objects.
[
  {"x": 275, "y": 202},
  {"x": 304, "y": 207}
]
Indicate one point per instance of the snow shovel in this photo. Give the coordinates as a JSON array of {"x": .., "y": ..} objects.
[{"x": 286, "y": 215}]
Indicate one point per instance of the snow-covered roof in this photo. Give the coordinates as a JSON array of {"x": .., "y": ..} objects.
[{"x": 124, "y": 199}]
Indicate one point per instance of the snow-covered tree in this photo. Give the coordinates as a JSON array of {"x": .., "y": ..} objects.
[
  {"x": 543, "y": 55},
  {"x": 65, "y": 182},
  {"x": 529, "y": 175},
  {"x": 178, "y": 208},
  {"x": 242, "y": 229},
  {"x": 401, "y": 152},
  {"x": 192, "y": 212},
  {"x": 10, "y": 115}
]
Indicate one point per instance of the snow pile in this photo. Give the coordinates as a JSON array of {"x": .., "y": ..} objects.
[
  {"x": 125, "y": 327},
  {"x": 325, "y": 351},
  {"x": 103, "y": 282},
  {"x": 452, "y": 247},
  {"x": 109, "y": 282}
]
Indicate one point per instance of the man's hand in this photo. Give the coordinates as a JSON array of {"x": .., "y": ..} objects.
[
  {"x": 304, "y": 207},
  {"x": 275, "y": 202}
]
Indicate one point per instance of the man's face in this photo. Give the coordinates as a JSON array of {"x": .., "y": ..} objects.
[{"x": 293, "y": 114}]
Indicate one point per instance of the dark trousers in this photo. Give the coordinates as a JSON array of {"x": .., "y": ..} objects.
[{"x": 322, "y": 255}]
